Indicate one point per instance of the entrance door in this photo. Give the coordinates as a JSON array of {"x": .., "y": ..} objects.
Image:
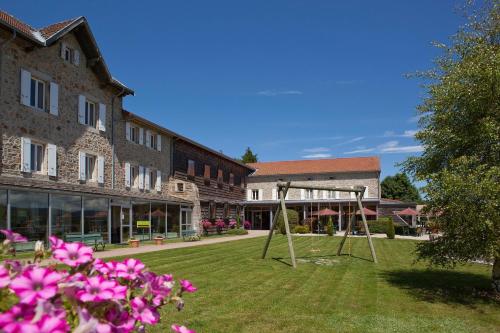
[
  {"x": 125, "y": 224},
  {"x": 116, "y": 213},
  {"x": 186, "y": 219}
]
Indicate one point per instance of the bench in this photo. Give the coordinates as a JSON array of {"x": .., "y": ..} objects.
[
  {"x": 187, "y": 233},
  {"x": 26, "y": 246},
  {"x": 172, "y": 235},
  {"x": 94, "y": 239}
]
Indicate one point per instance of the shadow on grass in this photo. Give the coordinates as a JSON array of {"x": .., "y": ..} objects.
[
  {"x": 444, "y": 286},
  {"x": 286, "y": 260}
]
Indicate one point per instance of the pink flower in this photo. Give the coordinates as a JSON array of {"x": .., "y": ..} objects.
[
  {"x": 187, "y": 286},
  {"x": 98, "y": 289},
  {"x": 34, "y": 283},
  {"x": 55, "y": 243},
  {"x": 4, "y": 277},
  {"x": 130, "y": 269},
  {"x": 14, "y": 237},
  {"x": 16, "y": 317},
  {"x": 118, "y": 321},
  {"x": 181, "y": 329},
  {"x": 49, "y": 324},
  {"x": 73, "y": 254},
  {"x": 143, "y": 312}
]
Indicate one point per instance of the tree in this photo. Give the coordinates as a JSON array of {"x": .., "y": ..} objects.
[
  {"x": 249, "y": 156},
  {"x": 460, "y": 133},
  {"x": 399, "y": 187},
  {"x": 390, "y": 230}
]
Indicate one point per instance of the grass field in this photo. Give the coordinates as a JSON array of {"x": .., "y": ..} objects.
[{"x": 239, "y": 292}]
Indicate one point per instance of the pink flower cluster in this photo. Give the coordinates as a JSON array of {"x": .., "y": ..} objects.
[
  {"x": 206, "y": 224},
  {"x": 247, "y": 225},
  {"x": 90, "y": 296},
  {"x": 232, "y": 224},
  {"x": 220, "y": 223}
]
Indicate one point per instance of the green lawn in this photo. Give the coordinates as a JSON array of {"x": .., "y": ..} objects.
[{"x": 239, "y": 292}]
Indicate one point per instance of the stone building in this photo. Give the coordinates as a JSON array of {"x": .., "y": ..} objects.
[
  {"x": 262, "y": 197},
  {"x": 68, "y": 164}
]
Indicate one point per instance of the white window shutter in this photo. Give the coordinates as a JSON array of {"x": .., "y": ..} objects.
[
  {"x": 127, "y": 174},
  {"x": 148, "y": 138},
  {"x": 261, "y": 194},
  {"x": 81, "y": 109},
  {"x": 81, "y": 166},
  {"x": 141, "y": 136},
  {"x": 141, "y": 177},
  {"x": 100, "y": 169},
  {"x": 76, "y": 57},
  {"x": 315, "y": 194},
  {"x": 54, "y": 99},
  {"x": 365, "y": 194},
  {"x": 275, "y": 194},
  {"x": 52, "y": 160},
  {"x": 102, "y": 117},
  {"x": 63, "y": 48},
  {"x": 147, "y": 186},
  {"x": 25, "y": 87},
  {"x": 353, "y": 195},
  {"x": 325, "y": 194},
  {"x": 127, "y": 131},
  {"x": 25, "y": 154},
  {"x": 158, "y": 142},
  {"x": 302, "y": 194},
  {"x": 249, "y": 195},
  {"x": 158, "y": 180}
]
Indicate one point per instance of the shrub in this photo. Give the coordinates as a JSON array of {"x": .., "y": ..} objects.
[
  {"x": 293, "y": 219},
  {"x": 379, "y": 226},
  {"x": 390, "y": 229},
  {"x": 232, "y": 224},
  {"x": 193, "y": 238},
  {"x": 206, "y": 224},
  {"x": 237, "y": 232},
  {"x": 247, "y": 225},
  {"x": 301, "y": 229},
  {"x": 329, "y": 226}
]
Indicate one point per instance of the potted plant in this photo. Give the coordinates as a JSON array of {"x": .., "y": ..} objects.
[
  {"x": 158, "y": 240},
  {"x": 133, "y": 242}
]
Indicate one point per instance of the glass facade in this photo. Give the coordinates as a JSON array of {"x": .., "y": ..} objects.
[
  {"x": 158, "y": 219},
  {"x": 66, "y": 215},
  {"x": 29, "y": 214},
  {"x": 140, "y": 212},
  {"x": 96, "y": 216},
  {"x": 173, "y": 220}
]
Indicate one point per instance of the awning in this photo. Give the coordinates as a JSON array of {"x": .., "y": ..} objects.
[
  {"x": 368, "y": 212},
  {"x": 407, "y": 212}
]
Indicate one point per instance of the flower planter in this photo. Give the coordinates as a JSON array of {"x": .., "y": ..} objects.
[
  {"x": 158, "y": 240},
  {"x": 134, "y": 242}
]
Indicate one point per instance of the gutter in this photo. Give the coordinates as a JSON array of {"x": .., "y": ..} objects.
[
  {"x": 2, "y": 48},
  {"x": 113, "y": 137}
]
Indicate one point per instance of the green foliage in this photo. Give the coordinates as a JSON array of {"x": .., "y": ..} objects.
[
  {"x": 193, "y": 238},
  {"x": 329, "y": 226},
  {"x": 390, "y": 231},
  {"x": 238, "y": 222},
  {"x": 399, "y": 187},
  {"x": 293, "y": 219},
  {"x": 460, "y": 133},
  {"x": 237, "y": 231},
  {"x": 379, "y": 226},
  {"x": 249, "y": 156},
  {"x": 301, "y": 229}
]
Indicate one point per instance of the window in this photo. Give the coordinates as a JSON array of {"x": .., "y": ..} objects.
[
  {"x": 66, "y": 214},
  {"x": 153, "y": 141},
  {"x": 89, "y": 166},
  {"x": 70, "y": 55},
  {"x": 255, "y": 195},
  {"x": 212, "y": 210},
  {"x": 206, "y": 173},
  {"x": 231, "y": 179},
  {"x": 37, "y": 97},
  {"x": 308, "y": 194},
  {"x": 67, "y": 54},
  {"x": 179, "y": 187},
  {"x": 220, "y": 176},
  {"x": 134, "y": 134},
  {"x": 134, "y": 172},
  {"x": 332, "y": 194},
  {"x": 29, "y": 213},
  {"x": 190, "y": 168},
  {"x": 152, "y": 179},
  {"x": 90, "y": 113},
  {"x": 37, "y": 155}
]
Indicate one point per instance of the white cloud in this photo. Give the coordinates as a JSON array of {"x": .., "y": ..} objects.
[
  {"x": 359, "y": 138},
  {"x": 405, "y": 134},
  {"x": 316, "y": 150},
  {"x": 403, "y": 149},
  {"x": 317, "y": 156},
  {"x": 279, "y": 92},
  {"x": 409, "y": 133},
  {"x": 359, "y": 151},
  {"x": 389, "y": 147},
  {"x": 414, "y": 119}
]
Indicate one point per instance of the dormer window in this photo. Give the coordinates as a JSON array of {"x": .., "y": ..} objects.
[{"x": 70, "y": 55}]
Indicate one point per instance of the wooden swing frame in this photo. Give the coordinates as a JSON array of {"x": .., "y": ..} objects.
[{"x": 282, "y": 192}]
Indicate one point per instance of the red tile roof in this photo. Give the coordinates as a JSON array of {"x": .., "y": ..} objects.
[
  {"x": 15, "y": 23},
  {"x": 335, "y": 165},
  {"x": 52, "y": 29}
]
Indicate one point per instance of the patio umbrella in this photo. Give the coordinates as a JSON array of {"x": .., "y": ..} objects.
[
  {"x": 158, "y": 213},
  {"x": 368, "y": 212},
  {"x": 407, "y": 212},
  {"x": 325, "y": 212}
]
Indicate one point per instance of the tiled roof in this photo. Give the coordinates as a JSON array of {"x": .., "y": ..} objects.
[
  {"x": 336, "y": 165},
  {"x": 52, "y": 29}
]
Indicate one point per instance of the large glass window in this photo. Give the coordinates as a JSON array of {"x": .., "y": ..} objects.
[
  {"x": 66, "y": 215},
  {"x": 140, "y": 221},
  {"x": 158, "y": 216},
  {"x": 3, "y": 209},
  {"x": 173, "y": 220},
  {"x": 29, "y": 214},
  {"x": 96, "y": 216}
]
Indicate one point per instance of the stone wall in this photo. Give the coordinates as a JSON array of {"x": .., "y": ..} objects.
[{"x": 267, "y": 183}]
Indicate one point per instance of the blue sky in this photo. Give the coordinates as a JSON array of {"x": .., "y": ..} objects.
[{"x": 290, "y": 79}]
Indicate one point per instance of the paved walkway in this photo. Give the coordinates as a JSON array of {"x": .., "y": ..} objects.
[{"x": 130, "y": 251}]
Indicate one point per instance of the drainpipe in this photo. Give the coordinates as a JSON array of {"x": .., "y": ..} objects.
[
  {"x": 2, "y": 48},
  {"x": 113, "y": 138}
]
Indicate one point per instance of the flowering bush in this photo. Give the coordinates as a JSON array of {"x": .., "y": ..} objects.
[
  {"x": 232, "y": 224},
  {"x": 87, "y": 295},
  {"x": 11, "y": 237},
  {"x": 247, "y": 225},
  {"x": 206, "y": 224}
]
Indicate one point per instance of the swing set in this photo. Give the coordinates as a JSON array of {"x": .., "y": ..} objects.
[{"x": 282, "y": 192}]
